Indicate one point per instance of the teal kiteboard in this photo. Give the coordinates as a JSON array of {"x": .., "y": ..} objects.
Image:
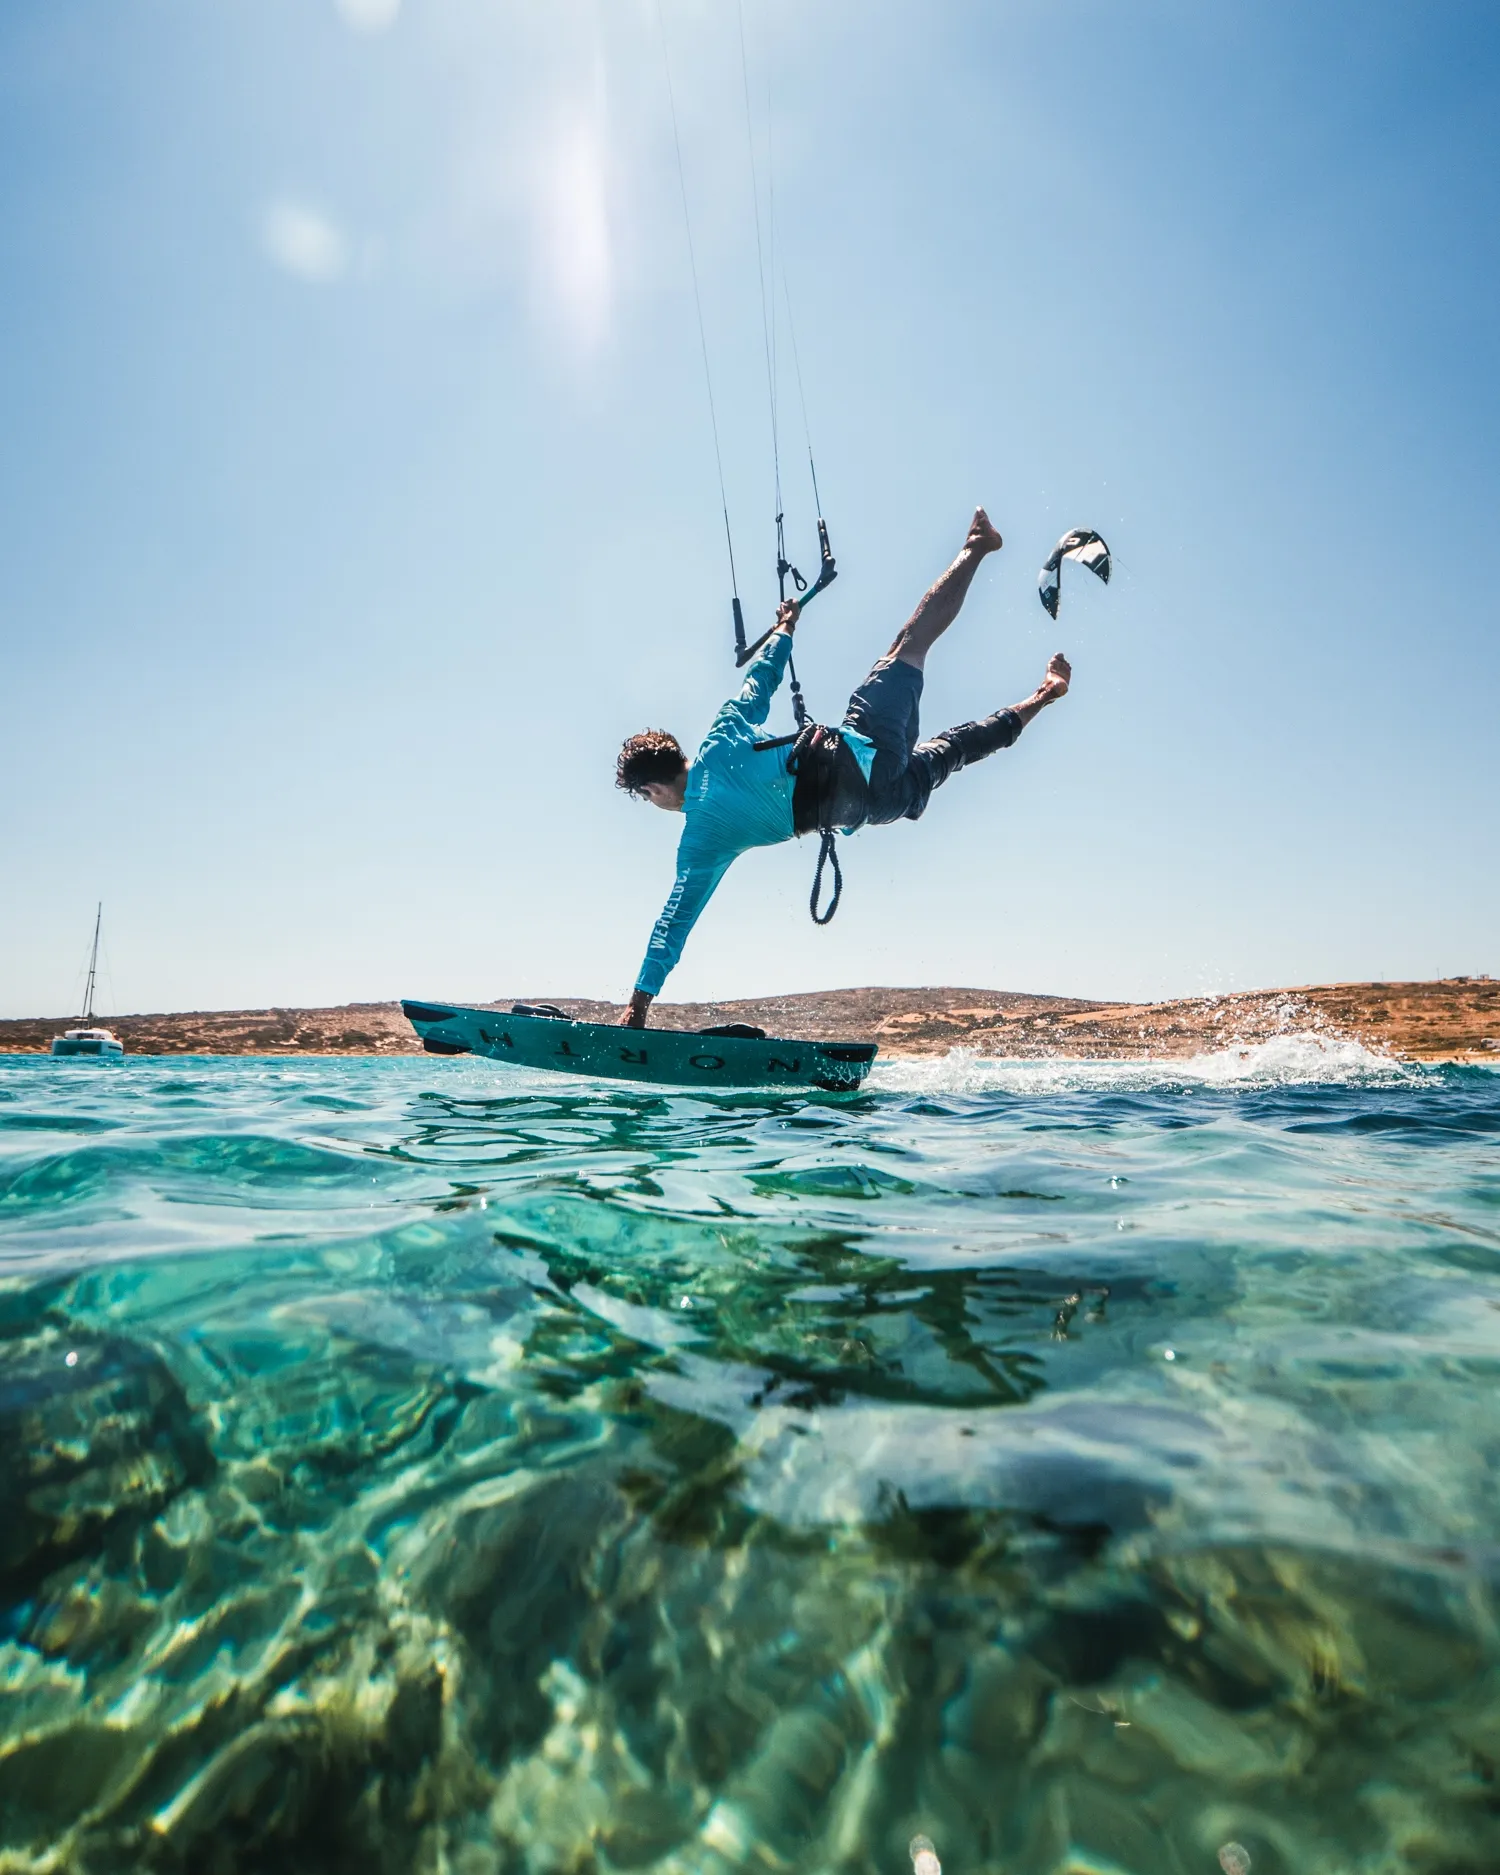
[{"x": 533, "y": 1035}]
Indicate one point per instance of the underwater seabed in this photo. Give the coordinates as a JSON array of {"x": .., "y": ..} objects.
[{"x": 1089, "y": 1466}]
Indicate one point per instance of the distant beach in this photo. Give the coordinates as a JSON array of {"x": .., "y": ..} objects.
[{"x": 1455, "y": 1019}]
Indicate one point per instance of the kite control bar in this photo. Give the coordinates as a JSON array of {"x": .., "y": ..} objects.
[{"x": 827, "y": 573}]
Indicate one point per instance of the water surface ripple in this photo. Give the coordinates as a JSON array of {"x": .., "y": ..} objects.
[{"x": 411, "y": 1466}]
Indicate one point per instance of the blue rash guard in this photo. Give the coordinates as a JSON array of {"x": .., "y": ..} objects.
[{"x": 737, "y": 797}]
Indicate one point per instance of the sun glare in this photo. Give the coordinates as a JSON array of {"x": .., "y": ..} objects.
[
  {"x": 304, "y": 243},
  {"x": 368, "y": 16},
  {"x": 573, "y": 231}
]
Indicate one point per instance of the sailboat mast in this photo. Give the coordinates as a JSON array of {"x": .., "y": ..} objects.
[{"x": 88, "y": 1001}]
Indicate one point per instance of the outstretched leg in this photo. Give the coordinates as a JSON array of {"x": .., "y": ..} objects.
[
  {"x": 956, "y": 748},
  {"x": 901, "y": 791},
  {"x": 939, "y": 605}
]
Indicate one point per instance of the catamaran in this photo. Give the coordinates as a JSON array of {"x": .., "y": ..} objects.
[{"x": 86, "y": 1039}]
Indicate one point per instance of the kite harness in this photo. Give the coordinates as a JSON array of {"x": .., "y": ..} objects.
[
  {"x": 814, "y": 763},
  {"x": 814, "y": 756}
]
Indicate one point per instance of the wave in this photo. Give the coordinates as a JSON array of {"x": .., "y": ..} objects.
[{"x": 209, "y": 1168}]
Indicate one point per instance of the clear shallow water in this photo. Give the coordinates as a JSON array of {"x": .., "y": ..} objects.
[{"x": 409, "y": 1466}]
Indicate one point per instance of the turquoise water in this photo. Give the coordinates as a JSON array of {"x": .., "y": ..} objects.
[{"x": 407, "y": 1466}]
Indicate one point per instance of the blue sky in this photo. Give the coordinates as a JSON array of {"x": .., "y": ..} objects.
[{"x": 357, "y": 493}]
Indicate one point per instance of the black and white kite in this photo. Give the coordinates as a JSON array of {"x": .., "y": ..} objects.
[{"x": 1081, "y": 544}]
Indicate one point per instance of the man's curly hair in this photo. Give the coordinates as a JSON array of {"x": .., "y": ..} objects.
[{"x": 653, "y": 755}]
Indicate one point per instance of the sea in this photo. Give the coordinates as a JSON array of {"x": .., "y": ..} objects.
[{"x": 1036, "y": 1468}]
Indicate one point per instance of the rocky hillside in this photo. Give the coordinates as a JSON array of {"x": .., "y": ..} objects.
[{"x": 1456, "y": 1019}]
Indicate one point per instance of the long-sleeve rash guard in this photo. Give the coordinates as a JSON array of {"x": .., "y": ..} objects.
[{"x": 737, "y": 797}]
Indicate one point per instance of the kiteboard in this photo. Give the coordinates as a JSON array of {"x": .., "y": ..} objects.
[{"x": 534, "y": 1035}]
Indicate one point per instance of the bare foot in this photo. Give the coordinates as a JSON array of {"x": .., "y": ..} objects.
[
  {"x": 984, "y": 536},
  {"x": 1055, "y": 683}
]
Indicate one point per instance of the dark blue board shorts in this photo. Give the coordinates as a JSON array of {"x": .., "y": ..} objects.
[{"x": 885, "y": 708}]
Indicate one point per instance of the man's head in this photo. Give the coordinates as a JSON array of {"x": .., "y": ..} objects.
[{"x": 653, "y": 768}]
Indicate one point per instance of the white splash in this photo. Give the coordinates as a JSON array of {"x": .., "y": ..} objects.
[
  {"x": 304, "y": 243},
  {"x": 1294, "y": 1060}
]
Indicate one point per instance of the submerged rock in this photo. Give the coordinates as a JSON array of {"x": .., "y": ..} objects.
[{"x": 96, "y": 1438}]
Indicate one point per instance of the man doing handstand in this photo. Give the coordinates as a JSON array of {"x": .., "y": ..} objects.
[{"x": 740, "y": 792}]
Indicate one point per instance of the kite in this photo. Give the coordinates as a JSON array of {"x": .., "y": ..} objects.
[{"x": 1081, "y": 544}]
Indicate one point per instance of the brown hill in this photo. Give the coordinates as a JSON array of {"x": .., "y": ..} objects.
[{"x": 1453, "y": 1020}]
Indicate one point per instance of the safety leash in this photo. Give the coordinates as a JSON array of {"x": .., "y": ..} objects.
[{"x": 826, "y": 852}]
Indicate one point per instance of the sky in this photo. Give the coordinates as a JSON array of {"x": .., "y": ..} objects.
[{"x": 358, "y": 492}]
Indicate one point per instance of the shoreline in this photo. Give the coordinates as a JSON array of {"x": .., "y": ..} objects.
[{"x": 1453, "y": 1019}]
